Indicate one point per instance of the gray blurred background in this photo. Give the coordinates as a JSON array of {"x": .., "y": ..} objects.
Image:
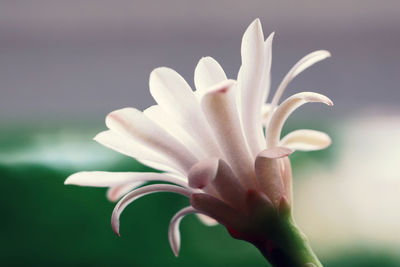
[{"x": 84, "y": 58}]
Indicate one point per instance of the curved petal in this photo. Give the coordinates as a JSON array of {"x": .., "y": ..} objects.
[
  {"x": 132, "y": 123},
  {"x": 266, "y": 112},
  {"x": 174, "y": 235},
  {"x": 116, "y": 192},
  {"x": 269, "y": 174},
  {"x": 111, "y": 179},
  {"x": 208, "y": 72},
  {"x": 253, "y": 83},
  {"x": 137, "y": 150},
  {"x": 220, "y": 110},
  {"x": 176, "y": 97},
  {"x": 140, "y": 192},
  {"x": 206, "y": 220},
  {"x": 306, "y": 140},
  {"x": 300, "y": 66},
  {"x": 285, "y": 109},
  {"x": 157, "y": 114}
]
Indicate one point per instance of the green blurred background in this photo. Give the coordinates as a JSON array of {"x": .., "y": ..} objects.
[{"x": 65, "y": 64}]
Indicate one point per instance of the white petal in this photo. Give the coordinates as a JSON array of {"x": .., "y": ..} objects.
[
  {"x": 157, "y": 114},
  {"x": 116, "y": 192},
  {"x": 220, "y": 110},
  {"x": 306, "y": 140},
  {"x": 140, "y": 192},
  {"x": 111, "y": 179},
  {"x": 137, "y": 150},
  {"x": 132, "y": 123},
  {"x": 266, "y": 112},
  {"x": 176, "y": 97},
  {"x": 206, "y": 220},
  {"x": 253, "y": 83},
  {"x": 301, "y": 65},
  {"x": 285, "y": 109},
  {"x": 208, "y": 72},
  {"x": 174, "y": 235}
]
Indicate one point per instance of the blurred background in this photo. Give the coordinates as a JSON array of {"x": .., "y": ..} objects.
[{"x": 65, "y": 64}]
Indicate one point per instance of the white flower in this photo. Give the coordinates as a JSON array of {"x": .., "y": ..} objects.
[{"x": 211, "y": 142}]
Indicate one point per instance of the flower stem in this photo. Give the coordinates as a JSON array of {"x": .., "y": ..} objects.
[{"x": 285, "y": 245}]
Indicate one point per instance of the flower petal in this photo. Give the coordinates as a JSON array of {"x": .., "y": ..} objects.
[
  {"x": 219, "y": 107},
  {"x": 157, "y": 114},
  {"x": 176, "y": 97},
  {"x": 208, "y": 72},
  {"x": 218, "y": 210},
  {"x": 253, "y": 83},
  {"x": 140, "y": 192},
  {"x": 116, "y": 192},
  {"x": 132, "y": 123},
  {"x": 306, "y": 140},
  {"x": 269, "y": 174},
  {"x": 174, "y": 235},
  {"x": 286, "y": 171},
  {"x": 217, "y": 174},
  {"x": 111, "y": 179},
  {"x": 280, "y": 115},
  {"x": 137, "y": 150},
  {"x": 301, "y": 65},
  {"x": 206, "y": 220}
]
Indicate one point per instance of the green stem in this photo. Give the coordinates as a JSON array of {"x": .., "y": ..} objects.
[{"x": 285, "y": 245}]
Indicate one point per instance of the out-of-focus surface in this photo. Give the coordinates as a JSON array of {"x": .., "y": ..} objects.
[
  {"x": 65, "y": 64},
  {"x": 86, "y": 58}
]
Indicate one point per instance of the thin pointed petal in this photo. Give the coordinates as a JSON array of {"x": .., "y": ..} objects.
[
  {"x": 137, "y": 150},
  {"x": 140, "y": 192},
  {"x": 208, "y": 72},
  {"x": 300, "y": 66},
  {"x": 220, "y": 110},
  {"x": 111, "y": 179},
  {"x": 116, "y": 192},
  {"x": 174, "y": 235},
  {"x": 269, "y": 174},
  {"x": 132, "y": 123},
  {"x": 280, "y": 115},
  {"x": 306, "y": 140},
  {"x": 207, "y": 220},
  {"x": 253, "y": 83},
  {"x": 176, "y": 97}
]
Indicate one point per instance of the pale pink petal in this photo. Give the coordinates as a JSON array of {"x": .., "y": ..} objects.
[
  {"x": 306, "y": 140},
  {"x": 174, "y": 235},
  {"x": 157, "y": 114},
  {"x": 217, "y": 174},
  {"x": 116, "y": 192},
  {"x": 111, "y": 179},
  {"x": 206, "y": 220},
  {"x": 287, "y": 178},
  {"x": 269, "y": 173},
  {"x": 132, "y": 123},
  {"x": 301, "y": 65},
  {"x": 253, "y": 83},
  {"x": 218, "y": 210},
  {"x": 220, "y": 110},
  {"x": 280, "y": 115},
  {"x": 175, "y": 96},
  {"x": 208, "y": 72},
  {"x": 140, "y": 192},
  {"x": 266, "y": 112},
  {"x": 137, "y": 150}
]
